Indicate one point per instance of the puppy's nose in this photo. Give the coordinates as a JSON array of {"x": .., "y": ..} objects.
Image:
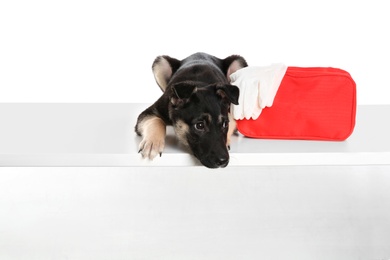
[{"x": 223, "y": 161}]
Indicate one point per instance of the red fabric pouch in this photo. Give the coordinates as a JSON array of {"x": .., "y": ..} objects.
[{"x": 311, "y": 104}]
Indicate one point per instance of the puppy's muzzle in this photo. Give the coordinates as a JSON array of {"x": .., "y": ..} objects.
[{"x": 215, "y": 159}]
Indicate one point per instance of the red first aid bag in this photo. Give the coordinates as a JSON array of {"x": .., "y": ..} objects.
[{"x": 311, "y": 104}]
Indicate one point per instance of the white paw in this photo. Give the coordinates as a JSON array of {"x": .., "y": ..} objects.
[{"x": 151, "y": 146}]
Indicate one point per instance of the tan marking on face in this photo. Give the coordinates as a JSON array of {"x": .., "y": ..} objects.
[
  {"x": 182, "y": 129},
  {"x": 207, "y": 117}
]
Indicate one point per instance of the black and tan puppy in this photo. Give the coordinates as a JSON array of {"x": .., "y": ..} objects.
[{"x": 196, "y": 102}]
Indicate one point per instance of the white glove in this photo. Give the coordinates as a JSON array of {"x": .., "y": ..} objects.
[{"x": 258, "y": 87}]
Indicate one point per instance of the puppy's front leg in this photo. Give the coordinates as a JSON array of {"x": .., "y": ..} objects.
[
  {"x": 232, "y": 129},
  {"x": 153, "y": 131}
]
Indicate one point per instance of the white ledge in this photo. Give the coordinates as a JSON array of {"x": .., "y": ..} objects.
[{"x": 103, "y": 135}]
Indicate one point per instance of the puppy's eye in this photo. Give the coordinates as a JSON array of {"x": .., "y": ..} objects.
[
  {"x": 225, "y": 124},
  {"x": 199, "y": 126}
]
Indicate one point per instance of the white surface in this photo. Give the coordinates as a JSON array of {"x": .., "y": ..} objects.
[
  {"x": 143, "y": 213},
  {"x": 244, "y": 211},
  {"x": 103, "y": 135},
  {"x": 102, "y": 51}
]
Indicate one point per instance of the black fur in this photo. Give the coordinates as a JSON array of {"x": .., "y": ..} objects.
[{"x": 197, "y": 96}]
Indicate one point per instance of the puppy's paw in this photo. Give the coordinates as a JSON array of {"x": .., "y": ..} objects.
[
  {"x": 153, "y": 130},
  {"x": 151, "y": 147}
]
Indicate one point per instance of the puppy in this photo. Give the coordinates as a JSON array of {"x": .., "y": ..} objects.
[{"x": 196, "y": 102}]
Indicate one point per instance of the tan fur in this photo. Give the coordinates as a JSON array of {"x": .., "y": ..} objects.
[
  {"x": 162, "y": 73},
  {"x": 236, "y": 65},
  {"x": 220, "y": 118},
  {"x": 232, "y": 128},
  {"x": 207, "y": 117},
  {"x": 182, "y": 130},
  {"x": 153, "y": 131}
]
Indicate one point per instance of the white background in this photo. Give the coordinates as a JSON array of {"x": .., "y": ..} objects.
[{"x": 102, "y": 51}]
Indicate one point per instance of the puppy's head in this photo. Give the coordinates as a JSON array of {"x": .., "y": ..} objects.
[{"x": 200, "y": 118}]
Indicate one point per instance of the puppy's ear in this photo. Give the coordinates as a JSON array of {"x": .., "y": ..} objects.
[
  {"x": 182, "y": 92},
  {"x": 233, "y": 63},
  {"x": 163, "y": 68},
  {"x": 229, "y": 92}
]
